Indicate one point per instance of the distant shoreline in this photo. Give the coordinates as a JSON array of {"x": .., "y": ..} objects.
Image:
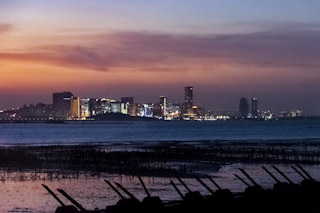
[{"x": 136, "y": 119}]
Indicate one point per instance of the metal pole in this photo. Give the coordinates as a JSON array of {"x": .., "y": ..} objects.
[
  {"x": 203, "y": 184},
  {"x": 282, "y": 174},
  {"x": 114, "y": 189},
  {"x": 144, "y": 186},
  {"x": 305, "y": 172},
  {"x": 248, "y": 176},
  {"x": 176, "y": 188},
  {"x": 297, "y": 171},
  {"x": 215, "y": 183},
  {"x": 53, "y": 195},
  {"x": 185, "y": 185},
  {"x": 265, "y": 169},
  {"x": 78, "y": 205},
  {"x": 243, "y": 181},
  {"x": 126, "y": 191}
]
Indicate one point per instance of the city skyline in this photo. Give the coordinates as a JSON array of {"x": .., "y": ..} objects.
[
  {"x": 185, "y": 99},
  {"x": 269, "y": 50},
  {"x": 66, "y": 106}
]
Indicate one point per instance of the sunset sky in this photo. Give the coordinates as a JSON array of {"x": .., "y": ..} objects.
[{"x": 112, "y": 48}]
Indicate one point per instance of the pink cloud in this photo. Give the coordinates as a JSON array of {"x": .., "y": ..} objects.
[
  {"x": 4, "y": 27},
  {"x": 168, "y": 52}
]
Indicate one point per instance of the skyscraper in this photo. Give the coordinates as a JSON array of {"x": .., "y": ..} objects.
[
  {"x": 254, "y": 107},
  {"x": 62, "y": 104},
  {"x": 243, "y": 108},
  {"x": 163, "y": 105},
  {"x": 75, "y": 108},
  {"x": 188, "y": 99},
  {"x": 85, "y": 108}
]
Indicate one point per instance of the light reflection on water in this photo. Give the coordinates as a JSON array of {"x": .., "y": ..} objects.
[{"x": 30, "y": 196}]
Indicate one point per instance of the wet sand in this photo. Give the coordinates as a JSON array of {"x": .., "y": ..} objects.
[{"x": 29, "y": 196}]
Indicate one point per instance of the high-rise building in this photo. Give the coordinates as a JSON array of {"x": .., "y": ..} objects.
[
  {"x": 75, "y": 108},
  {"x": 124, "y": 108},
  {"x": 243, "y": 108},
  {"x": 188, "y": 99},
  {"x": 254, "y": 107},
  {"x": 163, "y": 105},
  {"x": 128, "y": 106},
  {"x": 62, "y": 104},
  {"x": 85, "y": 108}
]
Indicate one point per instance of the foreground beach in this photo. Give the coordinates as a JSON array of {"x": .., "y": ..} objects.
[{"x": 81, "y": 169}]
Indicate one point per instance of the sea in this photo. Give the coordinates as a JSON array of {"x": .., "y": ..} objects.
[
  {"x": 157, "y": 131},
  {"x": 20, "y": 194}
]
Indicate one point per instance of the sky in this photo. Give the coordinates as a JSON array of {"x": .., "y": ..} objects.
[{"x": 115, "y": 48}]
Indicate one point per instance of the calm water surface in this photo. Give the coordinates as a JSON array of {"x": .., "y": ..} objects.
[{"x": 158, "y": 131}]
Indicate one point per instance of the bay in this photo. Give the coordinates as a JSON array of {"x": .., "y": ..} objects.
[{"x": 157, "y": 131}]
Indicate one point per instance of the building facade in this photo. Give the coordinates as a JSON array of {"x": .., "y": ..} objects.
[
  {"x": 188, "y": 100},
  {"x": 75, "y": 108},
  {"x": 254, "y": 108},
  {"x": 163, "y": 106},
  {"x": 243, "y": 108},
  {"x": 62, "y": 104}
]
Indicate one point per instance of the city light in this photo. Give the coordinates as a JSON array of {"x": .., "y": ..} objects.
[{"x": 66, "y": 106}]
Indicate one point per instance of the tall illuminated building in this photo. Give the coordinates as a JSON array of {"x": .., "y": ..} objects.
[
  {"x": 85, "y": 109},
  {"x": 75, "y": 108},
  {"x": 188, "y": 99},
  {"x": 243, "y": 108},
  {"x": 127, "y": 106},
  {"x": 254, "y": 107},
  {"x": 163, "y": 105}
]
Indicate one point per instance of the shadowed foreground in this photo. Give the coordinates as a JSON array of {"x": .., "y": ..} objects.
[{"x": 283, "y": 197}]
